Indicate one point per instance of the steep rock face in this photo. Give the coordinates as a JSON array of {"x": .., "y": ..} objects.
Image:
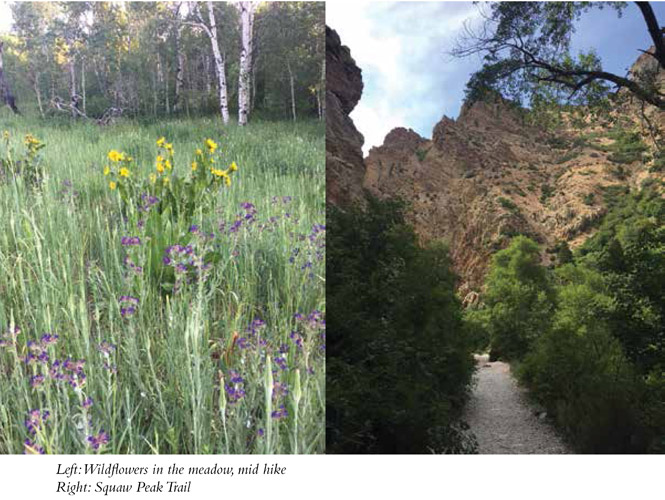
[
  {"x": 345, "y": 168},
  {"x": 494, "y": 173}
]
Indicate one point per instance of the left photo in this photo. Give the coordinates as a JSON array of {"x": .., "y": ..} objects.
[{"x": 162, "y": 228}]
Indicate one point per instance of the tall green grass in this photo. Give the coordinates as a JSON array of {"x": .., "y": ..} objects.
[{"x": 62, "y": 271}]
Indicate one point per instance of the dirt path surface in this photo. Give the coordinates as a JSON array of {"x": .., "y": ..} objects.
[{"x": 501, "y": 417}]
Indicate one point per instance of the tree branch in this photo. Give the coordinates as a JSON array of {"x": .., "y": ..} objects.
[{"x": 655, "y": 31}]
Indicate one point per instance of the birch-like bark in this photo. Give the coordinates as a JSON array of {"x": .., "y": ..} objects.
[
  {"x": 293, "y": 92},
  {"x": 73, "y": 98},
  {"x": 322, "y": 90},
  {"x": 83, "y": 82},
  {"x": 180, "y": 70},
  {"x": 219, "y": 65},
  {"x": 244, "y": 75}
]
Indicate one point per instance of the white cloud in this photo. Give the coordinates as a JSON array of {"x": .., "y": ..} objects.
[{"x": 401, "y": 48}]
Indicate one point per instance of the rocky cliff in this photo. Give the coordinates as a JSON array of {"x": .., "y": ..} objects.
[
  {"x": 496, "y": 172},
  {"x": 345, "y": 169}
]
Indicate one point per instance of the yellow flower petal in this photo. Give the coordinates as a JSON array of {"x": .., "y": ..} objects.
[
  {"x": 107, "y": 170},
  {"x": 112, "y": 185}
]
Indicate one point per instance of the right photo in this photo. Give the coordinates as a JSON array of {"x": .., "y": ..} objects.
[{"x": 495, "y": 182}]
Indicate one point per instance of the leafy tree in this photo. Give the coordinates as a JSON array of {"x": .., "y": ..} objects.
[
  {"x": 518, "y": 299},
  {"x": 399, "y": 362},
  {"x": 579, "y": 371},
  {"x": 526, "y": 48}
]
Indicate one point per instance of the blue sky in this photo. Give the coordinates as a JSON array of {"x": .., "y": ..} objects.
[{"x": 410, "y": 80}]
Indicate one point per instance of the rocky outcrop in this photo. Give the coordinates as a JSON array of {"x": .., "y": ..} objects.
[
  {"x": 494, "y": 173},
  {"x": 345, "y": 169}
]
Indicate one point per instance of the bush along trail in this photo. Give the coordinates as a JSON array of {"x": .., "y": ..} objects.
[
  {"x": 585, "y": 336},
  {"x": 162, "y": 297}
]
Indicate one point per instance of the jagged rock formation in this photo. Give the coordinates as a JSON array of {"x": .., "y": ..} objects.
[
  {"x": 345, "y": 169},
  {"x": 494, "y": 173}
]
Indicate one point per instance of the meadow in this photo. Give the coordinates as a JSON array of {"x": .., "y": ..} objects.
[{"x": 178, "y": 309}]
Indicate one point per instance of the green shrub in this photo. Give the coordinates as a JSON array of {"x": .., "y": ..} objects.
[
  {"x": 507, "y": 204},
  {"x": 546, "y": 191},
  {"x": 577, "y": 369},
  {"x": 518, "y": 299},
  {"x": 399, "y": 360}
]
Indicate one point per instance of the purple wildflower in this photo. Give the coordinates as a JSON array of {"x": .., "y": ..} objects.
[
  {"x": 95, "y": 441},
  {"x": 49, "y": 339},
  {"x": 279, "y": 390},
  {"x": 36, "y": 381},
  {"x": 130, "y": 240},
  {"x": 36, "y": 420},
  {"x": 280, "y": 413},
  {"x": 87, "y": 403},
  {"x": 281, "y": 363},
  {"x": 32, "y": 448},
  {"x": 105, "y": 347}
]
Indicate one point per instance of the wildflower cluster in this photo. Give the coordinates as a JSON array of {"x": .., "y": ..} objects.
[
  {"x": 28, "y": 165},
  {"x": 63, "y": 373},
  {"x": 118, "y": 172},
  {"x": 188, "y": 262}
]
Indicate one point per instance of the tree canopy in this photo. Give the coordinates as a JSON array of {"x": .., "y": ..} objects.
[
  {"x": 155, "y": 58},
  {"x": 526, "y": 48}
]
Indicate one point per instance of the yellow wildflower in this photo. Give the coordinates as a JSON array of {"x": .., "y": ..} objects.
[
  {"x": 130, "y": 159},
  {"x": 167, "y": 164},
  {"x": 160, "y": 158},
  {"x": 5, "y": 134},
  {"x": 194, "y": 166},
  {"x": 166, "y": 180},
  {"x": 217, "y": 172},
  {"x": 153, "y": 178},
  {"x": 115, "y": 156},
  {"x": 30, "y": 140},
  {"x": 112, "y": 185},
  {"x": 169, "y": 147},
  {"x": 211, "y": 145},
  {"x": 199, "y": 152},
  {"x": 107, "y": 170},
  {"x": 124, "y": 172},
  {"x": 233, "y": 167},
  {"x": 227, "y": 180},
  {"x": 160, "y": 141}
]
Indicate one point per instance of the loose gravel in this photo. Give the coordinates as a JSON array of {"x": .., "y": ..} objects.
[{"x": 501, "y": 417}]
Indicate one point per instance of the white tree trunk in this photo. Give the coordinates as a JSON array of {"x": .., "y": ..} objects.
[
  {"x": 83, "y": 83},
  {"x": 219, "y": 66},
  {"x": 293, "y": 92},
  {"x": 322, "y": 90},
  {"x": 73, "y": 98},
  {"x": 244, "y": 75},
  {"x": 180, "y": 70}
]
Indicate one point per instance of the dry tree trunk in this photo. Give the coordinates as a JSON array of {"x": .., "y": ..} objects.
[
  {"x": 292, "y": 85},
  {"x": 5, "y": 92}
]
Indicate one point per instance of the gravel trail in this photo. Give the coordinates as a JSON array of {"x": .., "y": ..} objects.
[{"x": 502, "y": 419}]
